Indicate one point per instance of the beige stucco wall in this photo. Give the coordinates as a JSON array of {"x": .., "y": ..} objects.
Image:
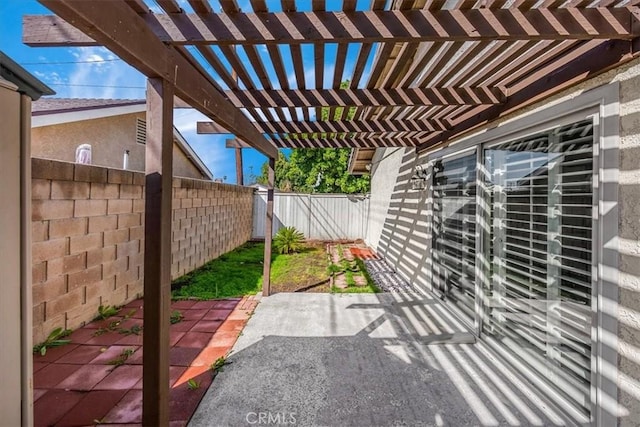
[
  {"x": 16, "y": 374},
  {"x": 183, "y": 167},
  {"x": 109, "y": 138},
  {"x": 405, "y": 237},
  {"x": 10, "y": 383}
]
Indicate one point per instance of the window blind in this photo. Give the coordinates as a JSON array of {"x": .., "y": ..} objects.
[{"x": 540, "y": 195}]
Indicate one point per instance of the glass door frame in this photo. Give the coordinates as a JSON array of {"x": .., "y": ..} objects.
[
  {"x": 448, "y": 157},
  {"x": 602, "y": 106}
]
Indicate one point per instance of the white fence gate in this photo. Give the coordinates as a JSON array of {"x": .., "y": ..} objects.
[{"x": 317, "y": 216}]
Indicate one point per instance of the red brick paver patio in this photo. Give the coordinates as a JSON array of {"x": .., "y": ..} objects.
[{"x": 78, "y": 384}]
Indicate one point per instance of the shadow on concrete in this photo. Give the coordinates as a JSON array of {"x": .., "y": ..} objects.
[{"x": 366, "y": 360}]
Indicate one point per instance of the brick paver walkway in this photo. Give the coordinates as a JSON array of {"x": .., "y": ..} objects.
[{"x": 78, "y": 384}]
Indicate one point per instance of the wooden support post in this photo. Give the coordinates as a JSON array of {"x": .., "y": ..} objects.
[
  {"x": 266, "y": 281},
  {"x": 239, "y": 174},
  {"x": 157, "y": 253}
]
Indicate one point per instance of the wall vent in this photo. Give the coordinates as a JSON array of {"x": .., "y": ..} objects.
[{"x": 141, "y": 131}]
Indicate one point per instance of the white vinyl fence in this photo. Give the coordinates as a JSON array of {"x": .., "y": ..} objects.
[{"x": 317, "y": 216}]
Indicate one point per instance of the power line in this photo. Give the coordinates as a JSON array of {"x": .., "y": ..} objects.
[
  {"x": 105, "y": 86},
  {"x": 71, "y": 62}
]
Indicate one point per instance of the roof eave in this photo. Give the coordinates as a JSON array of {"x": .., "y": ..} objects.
[{"x": 25, "y": 81}]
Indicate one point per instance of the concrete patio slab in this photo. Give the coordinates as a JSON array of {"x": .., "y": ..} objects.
[{"x": 366, "y": 360}]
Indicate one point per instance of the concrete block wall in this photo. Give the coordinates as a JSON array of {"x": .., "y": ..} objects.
[
  {"x": 209, "y": 219},
  {"x": 88, "y": 236}
]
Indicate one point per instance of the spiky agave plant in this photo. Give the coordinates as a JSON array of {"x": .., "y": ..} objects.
[{"x": 287, "y": 240}]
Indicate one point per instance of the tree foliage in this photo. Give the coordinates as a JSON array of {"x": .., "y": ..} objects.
[
  {"x": 316, "y": 170},
  {"x": 319, "y": 170}
]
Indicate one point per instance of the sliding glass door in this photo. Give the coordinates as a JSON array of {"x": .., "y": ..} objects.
[
  {"x": 538, "y": 249},
  {"x": 454, "y": 228},
  {"x": 532, "y": 290}
]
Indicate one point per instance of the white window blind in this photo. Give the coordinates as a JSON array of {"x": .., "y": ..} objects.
[{"x": 540, "y": 198}]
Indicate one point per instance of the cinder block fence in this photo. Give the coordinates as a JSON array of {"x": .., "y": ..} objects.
[{"x": 88, "y": 236}]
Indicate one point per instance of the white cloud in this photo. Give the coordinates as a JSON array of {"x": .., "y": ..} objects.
[{"x": 98, "y": 76}]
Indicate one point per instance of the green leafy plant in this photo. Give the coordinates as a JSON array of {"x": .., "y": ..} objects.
[
  {"x": 106, "y": 311},
  {"x": 363, "y": 268},
  {"x": 218, "y": 365},
  {"x": 100, "y": 331},
  {"x": 334, "y": 269},
  {"x": 134, "y": 330},
  {"x": 176, "y": 317},
  {"x": 287, "y": 240},
  {"x": 193, "y": 384},
  {"x": 122, "y": 357},
  {"x": 114, "y": 325},
  {"x": 55, "y": 339}
]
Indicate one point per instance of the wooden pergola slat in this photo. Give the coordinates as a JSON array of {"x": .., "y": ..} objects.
[
  {"x": 576, "y": 67},
  {"x": 286, "y": 141},
  {"x": 366, "y": 97},
  {"x": 351, "y": 126},
  {"x": 295, "y": 28}
]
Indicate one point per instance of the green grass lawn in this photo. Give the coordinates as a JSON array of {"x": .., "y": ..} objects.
[
  {"x": 233, "y": 274},
  {"x": 239, "y": 272}
]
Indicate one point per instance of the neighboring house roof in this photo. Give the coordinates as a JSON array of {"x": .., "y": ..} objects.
[
  {"x": 55, "y": 111},
  {"x": 25, "y": 81},
  {"x": 61, "y": 105}
]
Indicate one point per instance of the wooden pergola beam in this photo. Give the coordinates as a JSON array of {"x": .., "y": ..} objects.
[
  {"x": 295, "y": 127},
  {"x": 366, "y": 97},
  {"x": 232, "y": 142},
  {"x": 116, "y": 26},
  {"x": 294, "y": 28},
  {"x": 351, "y": 140},
  {"x": 372, "y": 139},
  {"x": 576, "y": 67}
]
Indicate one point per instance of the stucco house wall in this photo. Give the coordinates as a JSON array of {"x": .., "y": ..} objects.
[
  {"x": 400, "y": 220},
  {"x": 109, "y": 138}
]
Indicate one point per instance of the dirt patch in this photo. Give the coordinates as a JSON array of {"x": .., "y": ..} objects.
[{"x": 305, "y": 271}]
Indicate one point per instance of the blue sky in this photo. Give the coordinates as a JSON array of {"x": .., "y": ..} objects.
[{"x": 94, "y": 72}]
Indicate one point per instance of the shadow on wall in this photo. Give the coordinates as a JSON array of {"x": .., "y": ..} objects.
[
  {"x": 406, "y": 240},
  {"x": 628, "y": 315}
]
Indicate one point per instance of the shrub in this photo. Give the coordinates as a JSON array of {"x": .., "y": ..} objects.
[{"x": 288, "y": 240}]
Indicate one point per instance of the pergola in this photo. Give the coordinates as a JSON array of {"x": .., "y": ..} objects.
[{"x": 417, "y": 74}]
